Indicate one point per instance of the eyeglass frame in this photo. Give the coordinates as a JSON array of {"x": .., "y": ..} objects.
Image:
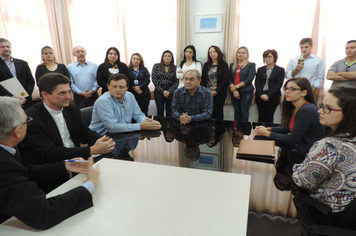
[
  {"x": 321, "y": 106},
  {"x": 291, "y": 89}
]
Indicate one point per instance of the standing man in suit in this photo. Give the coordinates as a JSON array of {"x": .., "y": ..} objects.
[
  {"x": 57, "y": 128},
  {"x": 11, "y": 67},
  {"x": 309, "y": 66},
  {"x": 83, "y": 79},
  {"x": 20, "y": 196}
]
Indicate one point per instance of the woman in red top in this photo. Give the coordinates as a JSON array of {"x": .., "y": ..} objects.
[{"x": 300, "y": 121}]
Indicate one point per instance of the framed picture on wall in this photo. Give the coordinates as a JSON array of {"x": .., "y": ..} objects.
[{"x": 208, "y": 23}]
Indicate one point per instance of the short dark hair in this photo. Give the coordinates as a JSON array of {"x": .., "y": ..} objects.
[
  {"x": 346, "y": 99},
  {"x": 4, "y": 40},
  {"x": 273, "y": 52},
  {"x": 306, "y": 41},
  {"x": 351, "y": 41},
  {"x": 49, "y": 82},
  {"x": 117, "y": 77}
]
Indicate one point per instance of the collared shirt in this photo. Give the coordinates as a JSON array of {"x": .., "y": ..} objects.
[
  {"x": 12, "y": 151},
  {"x": 10, "y": 65},
  {"x": 340, "y": 66},
  {"x": 83, "y": 77},
  {"x": 110, "y": 115},
  {"x": 314, "y": 70},
  {"x": 62, "y": 126},
  {"x": 199, "y": 106}
]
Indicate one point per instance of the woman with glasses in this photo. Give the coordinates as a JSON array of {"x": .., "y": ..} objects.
[
  {"x": 268, "y": 82},
  {"x": 165, "y": 81},
  {"x": 329, "y": 169},
  {"x": 139, "y": 80},
  {"x": 215, "y": 77},
  {"x": 300, "y": 126}
]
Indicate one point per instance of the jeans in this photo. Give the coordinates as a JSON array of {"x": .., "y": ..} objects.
[
  {"x": 242, "y": 105},
  {"x": 160, "y": 101}
]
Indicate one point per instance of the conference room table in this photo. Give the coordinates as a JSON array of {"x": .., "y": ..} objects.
[{"x": 197, "y": 195}]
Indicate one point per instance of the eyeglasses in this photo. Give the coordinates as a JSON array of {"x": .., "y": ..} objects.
[
  {"x": 28, "y": 121},
  {"x": 327, "y": 110},
  {"x": 347, "y": 68},
  {"x": 291, "y": 89}
]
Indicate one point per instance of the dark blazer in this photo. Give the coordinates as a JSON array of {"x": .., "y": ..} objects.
[
  {"x": 247, "y": 74},
  {"x": 274, "y": 84},
  {"x": 24, "y": 75},
  {"x": 143, "y": 78},
  {"x": 103, "y": 74},
  {"x": 43, "y": 142},
  {"x": 222, "y": 76},
  {"x": 20, "y": 197}
]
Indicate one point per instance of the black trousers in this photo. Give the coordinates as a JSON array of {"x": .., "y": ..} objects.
[
  {"x": 266, "y": 109},
  {"x": 161, "y": 100},
  {"x": 82, "y": 102}
]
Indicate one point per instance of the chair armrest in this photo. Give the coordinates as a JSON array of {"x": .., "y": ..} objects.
[
  {"x": 332, "y": 231},
  {"x": 312, "y": 202}
]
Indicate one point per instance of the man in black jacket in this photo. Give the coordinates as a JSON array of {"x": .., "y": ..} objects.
[
  {"x": 57, "y": 128},
  {"x": 19, "y": 196}
]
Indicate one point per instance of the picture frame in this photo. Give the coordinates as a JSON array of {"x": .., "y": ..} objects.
[{"x": 208, "y": 23}]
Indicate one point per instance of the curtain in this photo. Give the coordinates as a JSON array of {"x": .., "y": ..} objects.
[
  {"x": 59, "y": 25},
  {"x": 183, "y": 28}
]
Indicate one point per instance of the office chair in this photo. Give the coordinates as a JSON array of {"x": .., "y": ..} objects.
[
  {"x": 314, "y": 220},
  {"x": 86, "y": 113}
]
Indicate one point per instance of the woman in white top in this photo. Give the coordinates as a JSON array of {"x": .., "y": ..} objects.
[{"x": 189, "y": 62}]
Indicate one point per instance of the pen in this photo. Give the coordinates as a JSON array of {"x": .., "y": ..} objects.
[{"x": 83, "y": 161}]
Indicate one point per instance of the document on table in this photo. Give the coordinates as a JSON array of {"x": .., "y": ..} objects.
[{"x": 14, "y": 86}]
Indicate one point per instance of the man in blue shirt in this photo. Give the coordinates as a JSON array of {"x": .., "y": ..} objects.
[
  {"x": 83, "y": 79},
  {"x": 192, "y": 102},
  {"x": 115, "y": 109}
]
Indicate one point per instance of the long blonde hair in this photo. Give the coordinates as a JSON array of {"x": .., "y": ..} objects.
[{"x": 236, "y": 63}]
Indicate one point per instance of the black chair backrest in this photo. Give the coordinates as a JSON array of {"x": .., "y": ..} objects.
[{"x": 86, "y": 113}]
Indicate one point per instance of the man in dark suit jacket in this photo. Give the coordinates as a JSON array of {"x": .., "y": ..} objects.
[
  {"x": 57, "y": 128},
  {"x": 21, "y": 71},
  {"x": 20, "y": 197}
]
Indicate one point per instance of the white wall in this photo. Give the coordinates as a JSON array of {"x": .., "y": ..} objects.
[{"x": 203, "y": 41}]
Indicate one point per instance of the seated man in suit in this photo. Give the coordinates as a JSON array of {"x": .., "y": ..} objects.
[
  {"x": 57, "y": 128},
  {"x": 11, "y": 67},
  {"x": 20, "y": 196},
  {"x": 192, "y": 102},
  {"x": 114, "y": 110}
]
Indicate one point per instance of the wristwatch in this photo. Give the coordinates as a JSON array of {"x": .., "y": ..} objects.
[{"x": 237, "y": 86}]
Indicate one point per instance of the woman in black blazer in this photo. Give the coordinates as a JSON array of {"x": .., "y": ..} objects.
[
  {"x": 268, "y": 83},
  {"x": 111, "y": 65},
  {"x": 242, "y": 73},
  {"x": 215, "y": 76}
]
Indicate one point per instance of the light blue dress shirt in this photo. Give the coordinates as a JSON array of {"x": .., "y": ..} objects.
[
  {"x": 110, "y": 115},
  {"x": 314, "y": 70},
  {"x": 83, "y": 77}
]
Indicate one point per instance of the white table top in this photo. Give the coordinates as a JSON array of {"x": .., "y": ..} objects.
[{"x": 135, "y": 198}]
